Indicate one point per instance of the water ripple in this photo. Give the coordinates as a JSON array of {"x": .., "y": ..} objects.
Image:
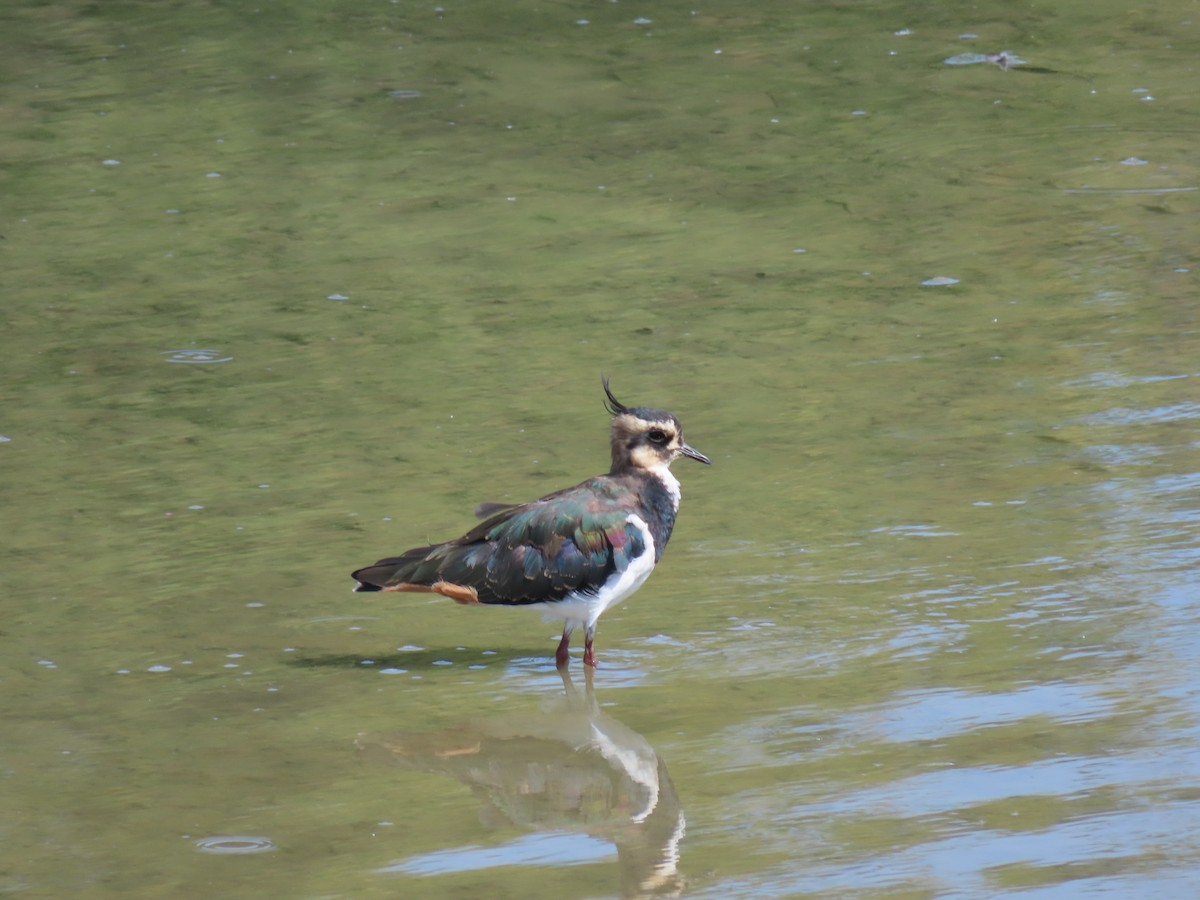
[
  {"x": 234, "y": 845},
  {"x": 194, "y": 356}
]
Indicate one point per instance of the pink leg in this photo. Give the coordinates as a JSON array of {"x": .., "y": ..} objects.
[
  {"x": 589, "y": 658},
  {"x": 562, "y": 656}
]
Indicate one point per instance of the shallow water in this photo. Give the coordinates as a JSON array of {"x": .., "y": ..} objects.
[{"x": 292, "y": 288}]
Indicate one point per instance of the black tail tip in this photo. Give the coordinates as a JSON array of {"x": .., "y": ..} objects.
[{"x": 362, "y": 587}]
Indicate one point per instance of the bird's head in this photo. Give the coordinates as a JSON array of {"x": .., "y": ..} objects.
[{"x": 646, "y": 438}]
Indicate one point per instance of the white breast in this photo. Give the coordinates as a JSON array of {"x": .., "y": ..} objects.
[{"x": 585, "y": 609}]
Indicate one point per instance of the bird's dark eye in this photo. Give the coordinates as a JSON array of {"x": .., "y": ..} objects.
[{"x": 657, "y": 437}]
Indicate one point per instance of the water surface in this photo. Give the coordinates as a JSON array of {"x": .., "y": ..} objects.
[{"x": 293, "y": 287}]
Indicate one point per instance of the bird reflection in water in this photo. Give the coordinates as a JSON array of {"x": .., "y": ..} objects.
[{"x": 571, "y": 770}]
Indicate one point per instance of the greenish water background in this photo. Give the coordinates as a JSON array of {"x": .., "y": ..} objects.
[{"x": 926, "y": 628}]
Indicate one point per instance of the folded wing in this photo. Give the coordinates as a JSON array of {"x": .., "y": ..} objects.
[{"x": 541, "y": 551}]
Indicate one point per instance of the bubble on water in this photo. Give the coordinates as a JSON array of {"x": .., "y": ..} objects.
[
  {"x": 939, "y": 280},
  {"x": 159, "y": 669},
  {"x": 194, "y": 356},
  {"x": 234, "y": 844},
  {"x": 111, "y": 162},
  {"x": 337, "y": 297},
  {"x": 1133, "y": 161},
  {"x": 392, "y": 670}
]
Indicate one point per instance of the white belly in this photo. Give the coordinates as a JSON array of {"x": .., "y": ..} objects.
[{"x": 585, "y": 609}]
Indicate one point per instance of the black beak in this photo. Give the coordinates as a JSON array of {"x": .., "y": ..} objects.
[{"x": 695, "y": 454}]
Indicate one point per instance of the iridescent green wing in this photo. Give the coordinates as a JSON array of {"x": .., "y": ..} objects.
[{"x": 570, "y": 541}]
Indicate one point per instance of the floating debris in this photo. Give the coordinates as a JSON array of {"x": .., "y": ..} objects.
[{"x": 1005, "y": 59}]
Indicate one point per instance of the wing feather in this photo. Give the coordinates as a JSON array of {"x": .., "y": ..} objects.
[{"x": 573, "y": 540}]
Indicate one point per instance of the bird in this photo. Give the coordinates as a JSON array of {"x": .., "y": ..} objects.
[{"x": 571, "y": 554}]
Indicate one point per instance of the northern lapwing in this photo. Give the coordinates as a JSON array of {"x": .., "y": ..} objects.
[{"x": 572, "y": 554}]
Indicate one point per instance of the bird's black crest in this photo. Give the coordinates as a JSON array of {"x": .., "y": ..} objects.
[{"x": 613, "y": 405}]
